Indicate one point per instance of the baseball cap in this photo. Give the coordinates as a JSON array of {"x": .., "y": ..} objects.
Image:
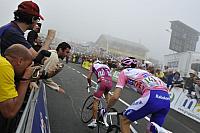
[{"x": 31, "y": 8}]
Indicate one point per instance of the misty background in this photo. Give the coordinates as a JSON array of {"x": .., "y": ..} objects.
[{"x": 141, "y": 21}]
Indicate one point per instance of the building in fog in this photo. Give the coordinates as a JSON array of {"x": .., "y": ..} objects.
[{"x": 120, "y": 47}]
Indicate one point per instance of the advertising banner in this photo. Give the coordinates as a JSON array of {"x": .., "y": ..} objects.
[
  {"x": 175, "y": 94},
  {"x": 188, "y": 107},
  {"x": 40, "y": 121}
]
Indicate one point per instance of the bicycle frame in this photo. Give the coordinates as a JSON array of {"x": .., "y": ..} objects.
[{"x": 114, "y": 122}]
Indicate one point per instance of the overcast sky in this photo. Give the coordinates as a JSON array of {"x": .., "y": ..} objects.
[{"x": 142, "y": 21}]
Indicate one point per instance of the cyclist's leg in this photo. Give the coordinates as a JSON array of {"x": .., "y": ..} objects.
[
  {"x": 107, "y": 96},
  {"x": 163, "y": 107},
  {"x": 125, "y": 124},
  {"x": 139, "y": 109},
  {"x": 158, "y": 118},
  {"x": 97, "y": 96},
  {"x": 95, "y": 108},
  {"x": 107, "y": 89}
]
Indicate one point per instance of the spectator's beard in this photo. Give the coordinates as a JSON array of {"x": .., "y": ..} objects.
[{"x": 61, "y": 57}]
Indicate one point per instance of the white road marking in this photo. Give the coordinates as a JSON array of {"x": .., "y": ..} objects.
[{"x": 78, "y": 72}]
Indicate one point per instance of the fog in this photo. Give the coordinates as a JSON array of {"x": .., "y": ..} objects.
[{"x": 143, "y": 21}]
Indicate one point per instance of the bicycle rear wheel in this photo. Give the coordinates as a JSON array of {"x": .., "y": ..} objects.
[{"x": 86, "y": 111}]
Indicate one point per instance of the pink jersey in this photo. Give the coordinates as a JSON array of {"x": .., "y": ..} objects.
[
  {"x": 140, "y": 80},
  {"x": 101, "y": 71}
]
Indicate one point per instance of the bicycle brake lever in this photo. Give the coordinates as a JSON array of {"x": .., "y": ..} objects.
[{"x": 88, "y": 89}]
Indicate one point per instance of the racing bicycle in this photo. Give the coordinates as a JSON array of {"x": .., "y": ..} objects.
[{"x": 108, "y": 123}]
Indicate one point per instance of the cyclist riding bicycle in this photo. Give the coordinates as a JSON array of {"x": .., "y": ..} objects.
[
  {"x": 155, "y": 99},
  {"x": 104, "y": 80}
]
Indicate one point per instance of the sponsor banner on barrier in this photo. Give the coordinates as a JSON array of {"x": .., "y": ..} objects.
[
  {"x": 188, "y": 107},
  {"x": 40, "y": 121},
  {"x": 175, "y": 93}
]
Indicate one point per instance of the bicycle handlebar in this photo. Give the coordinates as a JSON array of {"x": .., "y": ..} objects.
[{"x": 88, "y": 88}]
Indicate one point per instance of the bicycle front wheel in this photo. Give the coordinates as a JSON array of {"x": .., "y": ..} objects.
[{"x": 86, "y": 111}]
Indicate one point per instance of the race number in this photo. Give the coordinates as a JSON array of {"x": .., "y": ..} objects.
[{"x": 152, "y": 81}]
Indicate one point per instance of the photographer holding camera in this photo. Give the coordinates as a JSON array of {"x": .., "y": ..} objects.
[{"x": 17, "y": 63}]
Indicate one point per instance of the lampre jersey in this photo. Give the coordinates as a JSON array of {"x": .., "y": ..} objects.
[{"x": 101, "y": 71}]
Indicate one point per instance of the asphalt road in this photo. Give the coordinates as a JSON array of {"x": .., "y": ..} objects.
[{"x": 64, "y": 109}]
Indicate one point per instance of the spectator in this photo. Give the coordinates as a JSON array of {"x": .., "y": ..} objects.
[
  {"x": 160, "y": 74},
  {"x": 177, "y": 80},
  {"x": 197, "y": 89},
  {"x": 169, "y": 79},
  {"x": 33, "y": 37},
  {"x": 80, "y": 60},
  {"x": 16, "y": 64},
  {"x": 25, "y": 17},
  {"x": 61, "y": 52},
  {"x": 151, "y": 70},
  {"x": 109, "y": 63},
  {"x": 189, "y": 83}
]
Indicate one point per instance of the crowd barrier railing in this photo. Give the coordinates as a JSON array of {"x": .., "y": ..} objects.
[{"x": 35, "y": 116}]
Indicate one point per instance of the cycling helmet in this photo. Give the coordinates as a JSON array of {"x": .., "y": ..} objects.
[
  {"x": 129, "y": 62},
  {"x": 97, "y": 62}
]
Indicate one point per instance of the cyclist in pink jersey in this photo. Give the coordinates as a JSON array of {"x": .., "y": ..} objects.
[
  {"x": 155, "y": 99},
  {"x": 104, "y": 80}
]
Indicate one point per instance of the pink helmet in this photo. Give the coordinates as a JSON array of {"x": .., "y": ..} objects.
[{"x": 129, "y": 62}]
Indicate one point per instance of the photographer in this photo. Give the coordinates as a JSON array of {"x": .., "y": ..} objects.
[
  {"x": 15, "y": 65},
  {"x": 33, "y": 37}
]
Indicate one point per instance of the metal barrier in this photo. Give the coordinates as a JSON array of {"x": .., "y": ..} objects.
[{"x": 35, "y": 116}]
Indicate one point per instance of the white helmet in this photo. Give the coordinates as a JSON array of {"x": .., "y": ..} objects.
[{"x": 97, "y": 62}]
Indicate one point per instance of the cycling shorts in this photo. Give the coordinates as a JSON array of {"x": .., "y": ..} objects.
[
  {"x": 154, "y": 102},
  {"x": 105, "y": 85}
]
